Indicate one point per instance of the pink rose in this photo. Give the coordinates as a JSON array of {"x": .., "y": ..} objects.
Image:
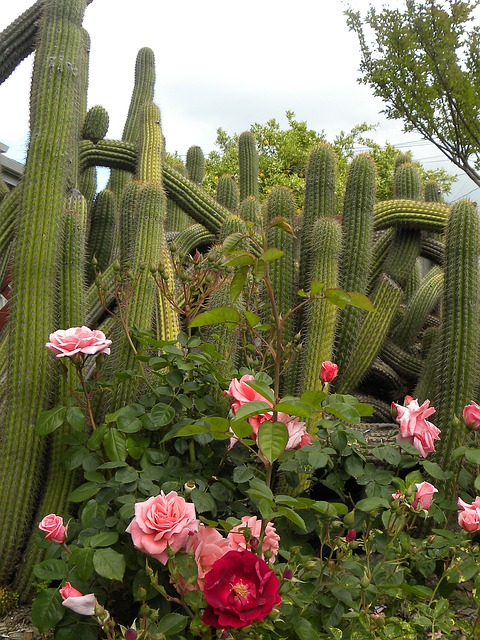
[
  {"x": 414, "y": 428},
  {"x": 76, "y": 601},
  {"x": 207, "y": 545},
  {"x": 297, "y": 434},
  {"x": 160, "y": 522},
  {"x": 471, "y": 415},
  {"x": 69, "y": 342},
  {"x": 424, "y": 495},
  {"x": 54, "y": 529},
  {"x": 469, "y": 515},
  {"x": 328, "y": 371},
  {"x": 242, "y": 393},
  {"x": 238, "y": 542}
]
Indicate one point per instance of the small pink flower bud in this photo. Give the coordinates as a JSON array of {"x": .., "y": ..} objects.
[
  {"x": 288, "y": 574},
  {"x": 254, "y": 542},
  {"x": 328, "y": 371},
  {"x": 131, "y": 634}
]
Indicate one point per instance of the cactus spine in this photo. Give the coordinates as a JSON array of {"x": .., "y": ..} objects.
[{"x": 54, "y": 100}]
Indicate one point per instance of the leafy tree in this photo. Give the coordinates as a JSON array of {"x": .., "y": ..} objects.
[
  {"x": 283, "y": 157},
  {"x": 424, "y": 62}
]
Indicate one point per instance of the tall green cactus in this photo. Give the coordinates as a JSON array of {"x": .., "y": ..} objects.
[
  {"x": 59, "y": 481},
  {"x": 195, "y": 163},
  {"x": 102, "y": 234},
  {"x": 321, "y": 315},
  {"x": 459, "y": 334},
  {"x": 357, "y": 231},
  {"x": 227, "y": 193},
  {"x": 247, "y": 165},
  {"x": 54, "y": 131}
]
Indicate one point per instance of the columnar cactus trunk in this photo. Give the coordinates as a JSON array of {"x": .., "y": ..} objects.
[
  {"x": 247, "y": 165},
  {"x": 53, "y": 136},
  {"x": 459, "y": 335}
]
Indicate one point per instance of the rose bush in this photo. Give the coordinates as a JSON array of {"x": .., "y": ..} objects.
[{"x": 239, "y": 589}]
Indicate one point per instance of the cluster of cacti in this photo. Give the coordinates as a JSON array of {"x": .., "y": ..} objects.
[{"x": 64, "y": 233}]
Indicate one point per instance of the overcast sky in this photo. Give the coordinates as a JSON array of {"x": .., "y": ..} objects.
[{"x": 223, "y": 64}]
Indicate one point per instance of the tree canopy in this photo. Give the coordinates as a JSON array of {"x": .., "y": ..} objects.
[{"x": 424, "y": 62}]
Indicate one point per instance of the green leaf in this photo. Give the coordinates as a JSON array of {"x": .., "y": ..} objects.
[
  {"x": 136, "y": 447},
  {"x": 162, "y": 414},
  {"x": 172, "y": 624},
  {"x": 203, "y": 501},
  {"x": 472, "y": 455},
  {"x": 84, "y": 492},
  {"x": 47, "y": 610},
  {"x": 251, "y": 318},
  {"x": 304, "y": 629},
  {"x": 271, "y": 254},
  {"x": 262, "y": 388},
  {"x": 49, "y": 421},
  {"x": 371, "y": 504},
  {"x": 238, "y": 282},
  {"x": 343, "y": 411},
  {"x": 192, "y": 430},
  {"x": 250, "y": 409},
  {"x": 102, "y": 539},
  {"x": 242, "y": 429},
  {"x": 216, "y": 316},
  {"x": 77, "y": 631},
  {"x": 272, "y": 438},
  {"x": 76, "y": 418},
  {"x": 51, "y": 570},
  {"x": 83, "y": 561},
  {"x": 242, "y": 474},
  {"x": 293, "y": 516},
  {"x": 360, "y": 301},
  {"x": 232, "y": 241},
  {"x": 316, "y": 288},
  {"x": 338, "y": 297},
  {"x": 435, "y": 470},
  {"x": 110, "y": 564},
  {"x": 115, "y": 445},
  {"x": 281, "y": 223},
  {"x": 240, "y": 259},
  {"x": 294, "y": 407}
]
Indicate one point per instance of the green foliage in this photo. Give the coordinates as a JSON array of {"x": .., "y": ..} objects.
[{"x": 420, "y": 62}]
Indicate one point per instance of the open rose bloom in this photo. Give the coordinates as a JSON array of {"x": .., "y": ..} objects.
[
  {"x": 414, "y": 426},
  {"x": 238, "y": 540},
  {"x": 239, "y": 589},
  {"x": 207, "y": 545},
  {"x": 241, "y": 393},
  {"x": 160, "y": 522},
  {"x": 469, "y": 515},
  {"x": 69, "y": 342}
]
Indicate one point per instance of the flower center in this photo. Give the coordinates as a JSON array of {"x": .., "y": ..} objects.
[{"x": 240, "y": 589}]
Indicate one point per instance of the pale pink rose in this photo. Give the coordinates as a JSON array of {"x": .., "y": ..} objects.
[
  {"x": 271, "y": 538},
  {"x": 160, "y": 522},
  {"x": 424, "y": 495},
  {"x": 414, "y": 427},
  {"x": 469, "y": 515},
  {"x": 207, "y": 546},
  {"x": 76, "y": 601},
  {"x": 69, "y": 342},
  {"x": 471, "y": 415},
  {"x": 398, "y": 495},
  {"x": 297, "y": 434},
  {"x": 242, "y": 393},
  {"x": 53, "y": 527},
  {"x": 328, "y": 371}
]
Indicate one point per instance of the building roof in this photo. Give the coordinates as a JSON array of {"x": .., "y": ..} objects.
[{"x": 11, "y": 170}]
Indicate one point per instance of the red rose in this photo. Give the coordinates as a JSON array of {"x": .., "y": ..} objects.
[{"x": 239, "y": 588}]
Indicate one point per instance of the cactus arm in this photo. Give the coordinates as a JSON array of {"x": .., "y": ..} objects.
[
  {"x": 428, "y": 216},
  {"x": 102, "y": 233},
  {"x": 372, "y": 332},
  {"x": 189, "y": 239},
  {"x": 195, "y": 164},
  {"x": 227, "y": 193}
]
